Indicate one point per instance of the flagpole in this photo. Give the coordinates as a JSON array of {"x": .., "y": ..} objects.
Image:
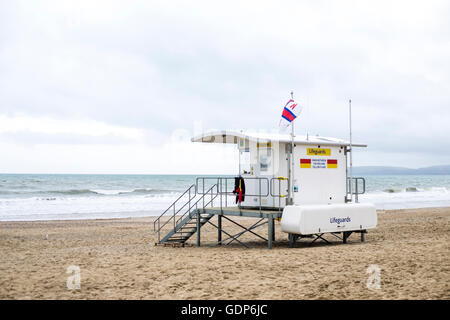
[{"x": 292, "y": 158}]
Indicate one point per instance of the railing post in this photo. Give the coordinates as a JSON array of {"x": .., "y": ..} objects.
[
  {"x": 220, "y": 192},
  {"x": 346, "y": 190},
  {"x": 356, "y": 190},
  {"x": 279, "y": 196},
  {"x": 198, "y": 228},
  {"x": 259, "y": 179},
  {"x": 226, "y": 192}
]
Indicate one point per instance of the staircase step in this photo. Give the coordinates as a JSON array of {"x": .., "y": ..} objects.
[
  {"x": 185, "y": 229},
  {"x": 201, "y": 221}
]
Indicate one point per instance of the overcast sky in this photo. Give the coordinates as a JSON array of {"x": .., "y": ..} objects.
[{"x": 120, "y": 86}]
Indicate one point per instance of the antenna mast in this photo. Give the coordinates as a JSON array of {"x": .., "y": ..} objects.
[{"x": 351, "y": 150}]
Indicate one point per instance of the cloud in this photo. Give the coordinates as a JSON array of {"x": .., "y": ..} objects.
[
  {"x": 157, "y": 67},
  {"x": 57, "y": 126},
  {"x": 38, "y": 130}
]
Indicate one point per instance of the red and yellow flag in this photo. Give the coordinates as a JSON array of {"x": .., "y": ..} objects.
[
  {"x": 305, "y": 163},
  {"x": 332, "y": 163}
]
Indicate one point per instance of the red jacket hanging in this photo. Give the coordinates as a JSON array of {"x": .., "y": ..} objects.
[{"x": 239, "y": 189}]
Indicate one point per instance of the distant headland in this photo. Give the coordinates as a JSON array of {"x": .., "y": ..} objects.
[{"x": 381, "y": 170}]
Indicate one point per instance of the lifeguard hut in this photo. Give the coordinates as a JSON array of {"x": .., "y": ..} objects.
[{"x": 302, "y": 181}]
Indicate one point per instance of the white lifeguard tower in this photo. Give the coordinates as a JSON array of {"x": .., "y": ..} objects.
[{"x": 303, "y": 181}]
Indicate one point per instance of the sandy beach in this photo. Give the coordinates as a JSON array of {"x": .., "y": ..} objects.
[{"x": 118, "y": 260}]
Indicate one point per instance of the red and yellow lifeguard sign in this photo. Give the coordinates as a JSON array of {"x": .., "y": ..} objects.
[{"x": 319, "y": 163}]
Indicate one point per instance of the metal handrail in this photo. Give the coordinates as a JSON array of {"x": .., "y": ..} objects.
[
  {"x": 176, "y": 221},
  {"x": 213, "y": 196},
  {"x": 219, "y": 182},
  {"x": 174, "y": 203},
  {"x": 355, "y": 190},
  {"x": 279, "y": 195}
]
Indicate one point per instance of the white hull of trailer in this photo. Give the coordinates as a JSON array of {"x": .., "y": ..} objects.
[{"x": 315, "y": 219}]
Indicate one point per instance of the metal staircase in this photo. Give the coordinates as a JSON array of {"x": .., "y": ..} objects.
[{"x": 186, "y": 216}]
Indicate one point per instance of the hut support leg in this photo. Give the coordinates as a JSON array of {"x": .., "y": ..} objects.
[
  {"x": 219, "y": 229},
  {"x": 345, "y": 235},
  {"x": 273, "y": 229},
  {"x": 292, "y": 239},
  {"x": 270, "y": 235}
]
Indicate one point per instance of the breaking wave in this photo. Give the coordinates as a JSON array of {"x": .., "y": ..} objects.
[
  {"x": 94, "y": 192},
  {"x": 72, "y": 192},
  {"x": 415, "y": 189}
]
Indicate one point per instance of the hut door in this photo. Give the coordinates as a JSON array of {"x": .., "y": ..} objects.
[{"x": 245, "y": 167}]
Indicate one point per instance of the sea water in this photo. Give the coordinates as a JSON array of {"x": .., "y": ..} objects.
[
  {"x": 64, "y": 196},
  {"x": 407, "y": 191}
]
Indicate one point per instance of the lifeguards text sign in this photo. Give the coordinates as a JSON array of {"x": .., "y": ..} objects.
[
  {"x": 319, "y": 163},
  {"x": 318, "y": 152}
]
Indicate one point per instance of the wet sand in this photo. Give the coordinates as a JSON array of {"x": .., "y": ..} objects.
[{"x": 118, "y": 260}]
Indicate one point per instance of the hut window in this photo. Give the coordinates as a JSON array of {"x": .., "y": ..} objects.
[{"x": 265, "y": 159}]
